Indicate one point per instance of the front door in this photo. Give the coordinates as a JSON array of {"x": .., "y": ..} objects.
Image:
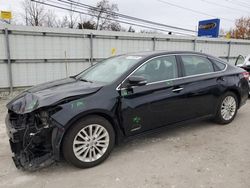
[{"x": 159, "y": 102}]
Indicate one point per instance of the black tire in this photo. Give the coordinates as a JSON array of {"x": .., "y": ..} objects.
[
  {"x": 219, "y": 117},
  {"x": 68, "y": 141}
]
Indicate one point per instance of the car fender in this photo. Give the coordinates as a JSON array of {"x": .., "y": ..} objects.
[{"x": 60, "y": 130}]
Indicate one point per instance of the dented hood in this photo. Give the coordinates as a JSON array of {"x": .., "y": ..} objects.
[{"x": 51, "y": 93}]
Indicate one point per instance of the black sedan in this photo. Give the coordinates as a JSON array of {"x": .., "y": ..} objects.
[{"x": 82, "y": 117}]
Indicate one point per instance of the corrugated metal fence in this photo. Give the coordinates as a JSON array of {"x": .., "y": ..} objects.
[{"x": 32, "y": 55}]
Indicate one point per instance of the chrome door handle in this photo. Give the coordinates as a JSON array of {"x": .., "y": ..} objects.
[{"x": 177, "y": 89}]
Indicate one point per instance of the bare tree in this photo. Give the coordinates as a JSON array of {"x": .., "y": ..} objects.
[
  {"x": 114, "y": 26},
  {"x": 72, "y": 18},
  {"x": 82, "y": 20},
  {"x": 64, "y": 22},
  {"x": 34, "y": 13},
  {"x": 104, "y": 14},
  {"x": 50, "y": 19}
]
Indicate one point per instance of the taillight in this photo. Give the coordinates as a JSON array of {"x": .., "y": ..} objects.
[{"x": 246, "y": 75}]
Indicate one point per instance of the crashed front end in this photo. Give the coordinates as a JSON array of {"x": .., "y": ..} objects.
[
  {"x": 30, "y": 139},
  {"x": 31, "y": 133},
  {"x": 33, "y": 125}
]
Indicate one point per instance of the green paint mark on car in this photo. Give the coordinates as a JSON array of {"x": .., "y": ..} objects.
[
  {"x": 78, "y": 104},
  {"x": 136, "y": 119},
  {"x": 124, "y": 92}
]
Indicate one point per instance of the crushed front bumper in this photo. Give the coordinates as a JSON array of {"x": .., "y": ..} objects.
[{"x": 30, "y": 145}]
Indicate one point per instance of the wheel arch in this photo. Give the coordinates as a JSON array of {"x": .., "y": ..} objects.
[
  {"x": 119, "y": 134},
  {"x": 237, "y": 93},
  {"x": 232, "y": 90}
]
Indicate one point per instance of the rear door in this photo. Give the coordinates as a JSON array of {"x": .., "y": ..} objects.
[{"x": 201, "y": 83}]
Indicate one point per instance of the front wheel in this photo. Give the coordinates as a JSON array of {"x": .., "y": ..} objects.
[
  {"x": 227, "y": 108},
  {"x": 89, "y": 142}
]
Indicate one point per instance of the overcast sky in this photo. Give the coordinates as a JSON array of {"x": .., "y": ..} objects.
[{"x": 158, "y": 11}]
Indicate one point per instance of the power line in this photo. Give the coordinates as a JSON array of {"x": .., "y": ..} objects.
[
  {"x": 192, "y": 10},
  {"x": 235, "y": 3},
  {"x": 125, "y": 22},
  {"x": 121, "y": 20},
  {"x": 245, "y": 0},
  {"x": 244, "y": 3},
  {"x": 232, "y": 9},
  {"x": 115, "y": 19},
  {"x": 125, "y": 16}
]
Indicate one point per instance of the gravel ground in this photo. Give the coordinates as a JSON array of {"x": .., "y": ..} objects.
[{"x": 200, "y": 154}]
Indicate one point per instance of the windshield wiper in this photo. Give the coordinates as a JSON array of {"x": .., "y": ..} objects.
[{"x": 85, "y": 80}]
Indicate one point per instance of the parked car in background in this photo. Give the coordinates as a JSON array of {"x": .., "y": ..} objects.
[
  {"x": 244, "y": 62},
  {"x": 82, "y": 117}
]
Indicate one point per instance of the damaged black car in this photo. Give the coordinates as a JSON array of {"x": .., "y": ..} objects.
[{"x": 82, "y": 117}]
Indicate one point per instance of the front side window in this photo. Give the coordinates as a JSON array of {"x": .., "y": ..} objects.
[
  {"x": 109, "y": 70},
  {"x": 158, "y": 69},
  {"x": 194, "y": 65}
]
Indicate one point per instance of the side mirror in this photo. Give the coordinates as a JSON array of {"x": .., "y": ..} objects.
[{"x": 136, "y": 81}]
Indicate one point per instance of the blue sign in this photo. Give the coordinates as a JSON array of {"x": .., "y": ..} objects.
[{"x": 209, "y": 28}]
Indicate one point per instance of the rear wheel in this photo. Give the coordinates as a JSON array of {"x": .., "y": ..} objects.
[
  {"x": 227, "y": 108},
  {"x": 89, "y": 142}
]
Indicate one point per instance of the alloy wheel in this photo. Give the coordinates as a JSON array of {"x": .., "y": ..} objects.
[
  {"x": 90, "y": 143},
  {"x": 228, "y": 108}
]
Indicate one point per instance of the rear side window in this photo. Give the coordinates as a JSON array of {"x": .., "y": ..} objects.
[
  {"x": 194, "y": 65},
  {"x": 218, "y": 66}
]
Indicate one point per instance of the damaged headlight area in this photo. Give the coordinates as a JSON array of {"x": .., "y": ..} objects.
[{"x": 30, "y": 138}]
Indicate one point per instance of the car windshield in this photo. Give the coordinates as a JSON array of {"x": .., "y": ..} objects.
[{"x": 109, "y": 70}]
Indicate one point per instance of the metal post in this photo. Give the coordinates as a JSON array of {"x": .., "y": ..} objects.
[
  {"x": 9, "y": 60},
  {"x": 229, "y": 51},
  {"x": 195, "y": 41},
  {"x": 91, "y": 49},
  {"x": 154, "y": 43}
]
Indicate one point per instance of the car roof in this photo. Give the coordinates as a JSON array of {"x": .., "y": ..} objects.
[{"x": 161, "y": 52}]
